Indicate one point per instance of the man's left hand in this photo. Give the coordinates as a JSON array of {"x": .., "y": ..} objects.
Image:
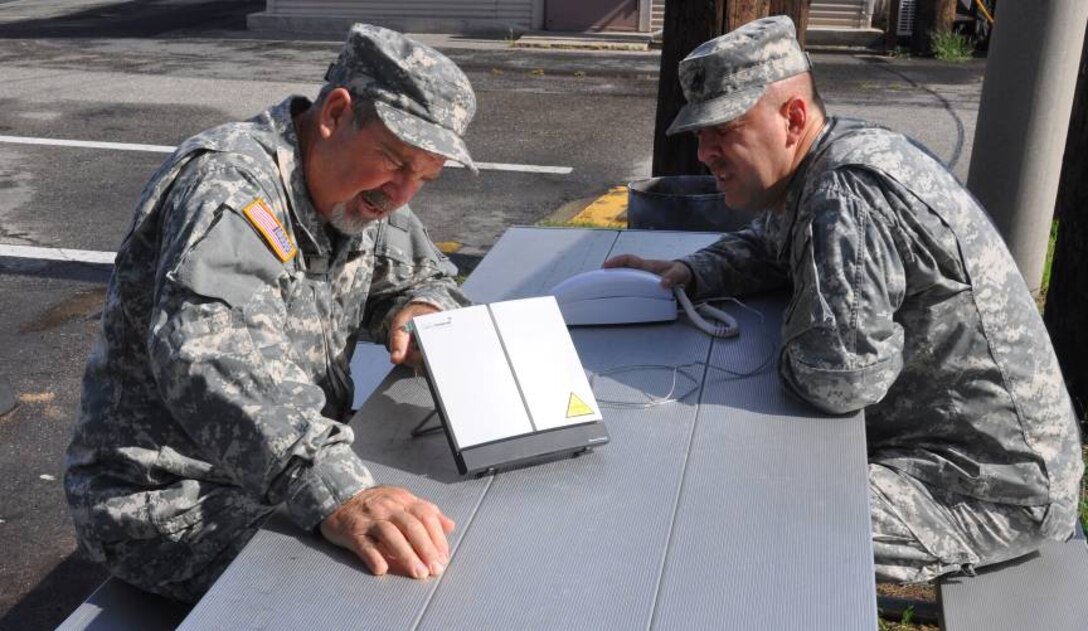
[{"x": 402, "y": 348}]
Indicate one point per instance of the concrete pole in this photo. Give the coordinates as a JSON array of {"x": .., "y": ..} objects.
[{"x": 1023, "y": 118}]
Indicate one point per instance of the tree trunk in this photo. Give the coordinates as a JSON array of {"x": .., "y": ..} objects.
[
  {"x": 891, "y": 33},
  {"x": 931, "y": 16},
  {"x": 688, "y": 23},
  {"x": 798, "y": 12},
  {"x": 742, "y": 12},
  {"x": 1065, "y": 315}
]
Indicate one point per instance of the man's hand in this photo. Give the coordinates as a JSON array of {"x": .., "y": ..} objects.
[
  {"x": 392, "y": 530},
  {"x": 402, "y": 348},
  {"x": 672, "y": 273}
]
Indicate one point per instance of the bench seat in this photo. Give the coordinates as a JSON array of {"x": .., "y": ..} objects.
[
  {"x": 1045, "y": 590},
  {"x": 118, "y": 606}
]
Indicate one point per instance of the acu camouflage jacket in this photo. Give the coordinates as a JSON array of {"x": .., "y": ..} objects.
[
  {"x": 906, "y": 302},
  {"x": 222, "y": 369}
]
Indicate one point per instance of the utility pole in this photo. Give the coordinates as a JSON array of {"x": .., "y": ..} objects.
[
  {"x": 1023, "y": 119},
  {"x": 1065, "y": 315},
  {"x": 688, "y": 23}
]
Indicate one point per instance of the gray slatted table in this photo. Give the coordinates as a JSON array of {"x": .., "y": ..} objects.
[{"x": 734, "y": 508}]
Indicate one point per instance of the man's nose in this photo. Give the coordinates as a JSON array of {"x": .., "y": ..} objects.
[
  {"x": 708, "y": 150},
  {"x": 401, "y": 190}
]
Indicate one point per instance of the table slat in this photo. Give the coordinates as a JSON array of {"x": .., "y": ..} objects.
[
  {"x": 578, "y": 544},
  {"x": 773, "y": 529},
  {"x": 528, "y": 262}
]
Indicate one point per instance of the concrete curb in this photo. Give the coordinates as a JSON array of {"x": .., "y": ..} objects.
[
  {"x": 604, "y": 211},
  {"x": 586, "y": 41}
]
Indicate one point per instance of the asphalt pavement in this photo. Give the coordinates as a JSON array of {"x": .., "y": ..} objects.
[{"x": 152, "y": 72}]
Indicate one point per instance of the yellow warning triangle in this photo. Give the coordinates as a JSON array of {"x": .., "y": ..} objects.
[{"x": 577, "y": 407}]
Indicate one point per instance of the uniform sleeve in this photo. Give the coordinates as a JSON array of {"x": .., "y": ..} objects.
[
  {"x": 842, "y": 348},
  {"x": 742, "y": 262},
  {"x": 223, "y": 363},
  {"x": 408, "y": 268}
]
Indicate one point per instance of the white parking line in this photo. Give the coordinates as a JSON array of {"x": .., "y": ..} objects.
[
  {"x": 57, "y": 254},
  {"x": 125, "y": 146}
]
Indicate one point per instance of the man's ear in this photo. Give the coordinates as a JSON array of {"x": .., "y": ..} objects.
[
  {"x": 795, "y": 111},
  {"x": 335, "y": 111}
]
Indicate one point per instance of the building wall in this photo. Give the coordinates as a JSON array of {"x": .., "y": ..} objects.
[{"x": 406, "y": 15}]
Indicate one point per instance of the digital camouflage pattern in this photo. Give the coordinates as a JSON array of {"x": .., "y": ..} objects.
[
  {"x": 420, "y": 94},
  {"x": 724, "y": 77},
  {"x": 217, "y": 386},
  {"x": 907, "y": 304}
]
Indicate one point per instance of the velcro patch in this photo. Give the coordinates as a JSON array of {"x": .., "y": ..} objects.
[{"x": 264, "y": 220}]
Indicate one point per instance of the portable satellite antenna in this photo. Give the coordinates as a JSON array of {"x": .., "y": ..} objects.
[{"x": 508, "y": 384}]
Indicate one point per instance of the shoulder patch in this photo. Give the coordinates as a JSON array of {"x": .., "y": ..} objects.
[{"x": 262, "y": 218}]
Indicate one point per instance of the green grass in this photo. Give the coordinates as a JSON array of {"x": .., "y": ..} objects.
[
  {"x": 1049, "y": 258},
  {"x": 952, "y": 46},
  {"x": 1084, "y": 495}
]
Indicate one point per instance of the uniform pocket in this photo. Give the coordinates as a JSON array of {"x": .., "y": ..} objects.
[{"x": 178, "y": 507}]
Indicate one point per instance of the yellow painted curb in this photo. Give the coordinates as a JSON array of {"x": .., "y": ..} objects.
[
  {"x": 607, "y": 211},
  {"x": 448, "y": 247}
]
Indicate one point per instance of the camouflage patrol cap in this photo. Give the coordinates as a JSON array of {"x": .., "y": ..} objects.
[
  {"x": 420, "y": 95},
  {"x": 725, "y": 77}
]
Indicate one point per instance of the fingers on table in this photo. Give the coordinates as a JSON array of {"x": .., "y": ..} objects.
[
  {"x": 405, "y": 535},
  {"x": 430, "y": 554},
  {"x": 624, "y": 260},
  {"x": 437, "y": 525},
  {"x": 367, "y": 548},
  {"x": 393, "y": 540}
]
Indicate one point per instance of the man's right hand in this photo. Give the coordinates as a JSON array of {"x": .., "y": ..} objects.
[
  {"x": 672, "y": 273},
  {"x": 392, "y": 530}
]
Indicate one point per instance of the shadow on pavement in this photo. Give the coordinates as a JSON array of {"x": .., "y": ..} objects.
[
  {"x": 56, "y": 596},
  {"x": 137, "y": 18}
]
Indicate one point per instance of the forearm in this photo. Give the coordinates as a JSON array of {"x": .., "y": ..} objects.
[
  {"x": 737, "y": 264},
  {"x": 252, "y": 412}
]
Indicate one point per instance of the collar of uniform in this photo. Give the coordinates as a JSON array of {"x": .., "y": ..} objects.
[
  {"x": 790, "y": 211},
  {"x": 289, "y": 159},
  {"x": 797, "y": 180}
]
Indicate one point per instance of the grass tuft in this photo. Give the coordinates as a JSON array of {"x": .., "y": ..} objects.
[
  {"x": 952, "y": 46},
  {"x": 1084, "y": 494}
]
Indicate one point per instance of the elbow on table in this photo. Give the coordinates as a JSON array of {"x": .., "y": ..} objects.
[{"x": 835, "y": 390}]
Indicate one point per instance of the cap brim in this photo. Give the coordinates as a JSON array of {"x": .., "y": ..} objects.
[
  {"x": 714, "y": 111},
  {"x": 425, "y": 135}
]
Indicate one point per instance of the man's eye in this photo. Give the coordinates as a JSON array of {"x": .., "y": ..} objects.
[{"x": 391, "y": 163}]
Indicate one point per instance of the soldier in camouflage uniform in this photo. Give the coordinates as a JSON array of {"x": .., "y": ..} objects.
[
  {"x": 905, "y": 303},
  {"x": 259, "y": 253}
]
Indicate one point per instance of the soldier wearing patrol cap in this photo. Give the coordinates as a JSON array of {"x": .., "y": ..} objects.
[
  {"x": 259, "y": 253},
  {"x": 906, "y": 304}
]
